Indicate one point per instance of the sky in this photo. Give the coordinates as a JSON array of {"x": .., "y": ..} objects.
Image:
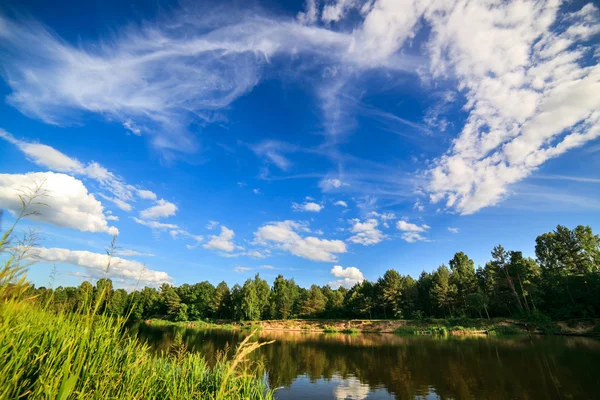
[{"x": 328, "y": 141}]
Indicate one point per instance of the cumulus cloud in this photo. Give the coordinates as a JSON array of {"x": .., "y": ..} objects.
[
  {"x": 366, "y": 233},
  {"x": 69, "y": 204},
  {"x": 407, "y": 226},
  {"x": 349, "y": 276},
  {"x": 162, "y": 209},
  {"x": 119, "y": 192},
  {"x": 267, "y": 267},
  {"x": 453, "y": 230},
  {"x": 412, "y": 237},
  {"x": 242, "y": 269},
  {"x": 412, "y": 231},
  {"x": 284, "y": 235},
  {"x": 146, "y": 194},
  {"x": 96, "y": 265},
  {"x": 531, "y": 93},
  {"x": 341, "y": 203},
  {"x": 308, "y": 206},
  {"x": 223, "y": 241}
]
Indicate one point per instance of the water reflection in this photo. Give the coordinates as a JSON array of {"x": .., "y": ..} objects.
[{"x": 371, "y": 366}]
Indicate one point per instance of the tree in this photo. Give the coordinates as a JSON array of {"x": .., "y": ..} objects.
[
  {"x": 443, "y": 292},
  {"x": 221, "y": 300},
  {"x": 462, "y": 276},
  {"x": 118, "y": 303},
  {"x": 334, "y": 304},
  {"x": 283, "y": 297},
  {"x": 102, "y": 293},
  {"x": 170, "y": 300},
  {"x": 391, "y": 291},
  {"x": 314, "y": 303}
]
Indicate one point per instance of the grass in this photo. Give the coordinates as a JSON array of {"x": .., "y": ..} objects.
[
  {"x": 62, "y": 355},
  {"x": 194, "y": 324}
]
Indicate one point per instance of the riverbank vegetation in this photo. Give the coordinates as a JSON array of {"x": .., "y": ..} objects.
[
  {"x": 83, "y": 353},
  {"x": 562, "y": 283}
]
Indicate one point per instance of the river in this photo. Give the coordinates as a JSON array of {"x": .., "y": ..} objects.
[{"x": 387, "y": 366}]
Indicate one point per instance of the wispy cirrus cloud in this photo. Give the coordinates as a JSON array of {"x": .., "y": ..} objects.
[{"x": 159, "y": 76}]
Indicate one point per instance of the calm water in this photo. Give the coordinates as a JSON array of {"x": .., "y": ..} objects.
[{"x": 386, "y": 366}]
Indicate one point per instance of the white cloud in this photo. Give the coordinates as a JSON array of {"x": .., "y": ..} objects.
[
  {"x": 366, "y": 233},
  {"x": 350, "y": 276},
  {"x": 129, "y": 253},
  {"x": 146, "y": 194},
  {"x": 383, "y": 216},
  {"x": 242, "y": 269},
  {"x": 531, "y": 94},
  {"x": 96, "y": 265},
  {"x": 121, "y": 193},
  {"x": 256, "y": 254},
  {"x": 412, "y": 237},
  {"x": 284, "y": 235},
  {"x": 274, "y": 151},
  {"x": 310, "y": 14},
  {"x": 407, "y": 226},
  {"x": 418, "y": 206},
  {"x": 223, "y": 241},
  {"x": 162, "y": 209},
  {"x": 267, "y": 267},
  {"x": 155, "y": 224},
  {"x": 132, "y": 127},
  {"x": 211, "y": 225},
  {"x": 341, "y": 203},
  {"x": 336, "y": 11},
  {"x": 112, "y": 218},
  {"x": 44, "y": 156},
  {"x": 329, "y": 184},
  {"x": 68, "y": 202},
  {"x": 412, "y": 231},
  {"x": 176, "y": 232},
  {"x": 309, "y": 206},
  {"x": 453, "y": 230}
]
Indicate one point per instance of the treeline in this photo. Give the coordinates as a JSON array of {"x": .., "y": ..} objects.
[{"x": 562, "y": 282}]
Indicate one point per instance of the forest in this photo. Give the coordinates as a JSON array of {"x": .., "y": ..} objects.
[{"x": 562, "y": 282}]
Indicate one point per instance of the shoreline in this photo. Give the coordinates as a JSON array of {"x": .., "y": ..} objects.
[{"x": 445, "y": 327}]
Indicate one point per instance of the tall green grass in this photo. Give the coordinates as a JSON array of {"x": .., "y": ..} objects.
[{"x": 45, "y": 354}]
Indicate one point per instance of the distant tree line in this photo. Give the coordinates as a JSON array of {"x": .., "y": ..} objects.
[{"x": 562, "y": 282}]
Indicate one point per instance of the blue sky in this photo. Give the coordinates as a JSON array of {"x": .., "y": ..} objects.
[{"x": 225, "y": 139}]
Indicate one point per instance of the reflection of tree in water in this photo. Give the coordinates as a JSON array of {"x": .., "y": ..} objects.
[{"x": 473, "y": 368}]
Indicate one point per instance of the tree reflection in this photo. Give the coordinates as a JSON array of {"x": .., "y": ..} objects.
[{"x": 413, "y": 367}]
